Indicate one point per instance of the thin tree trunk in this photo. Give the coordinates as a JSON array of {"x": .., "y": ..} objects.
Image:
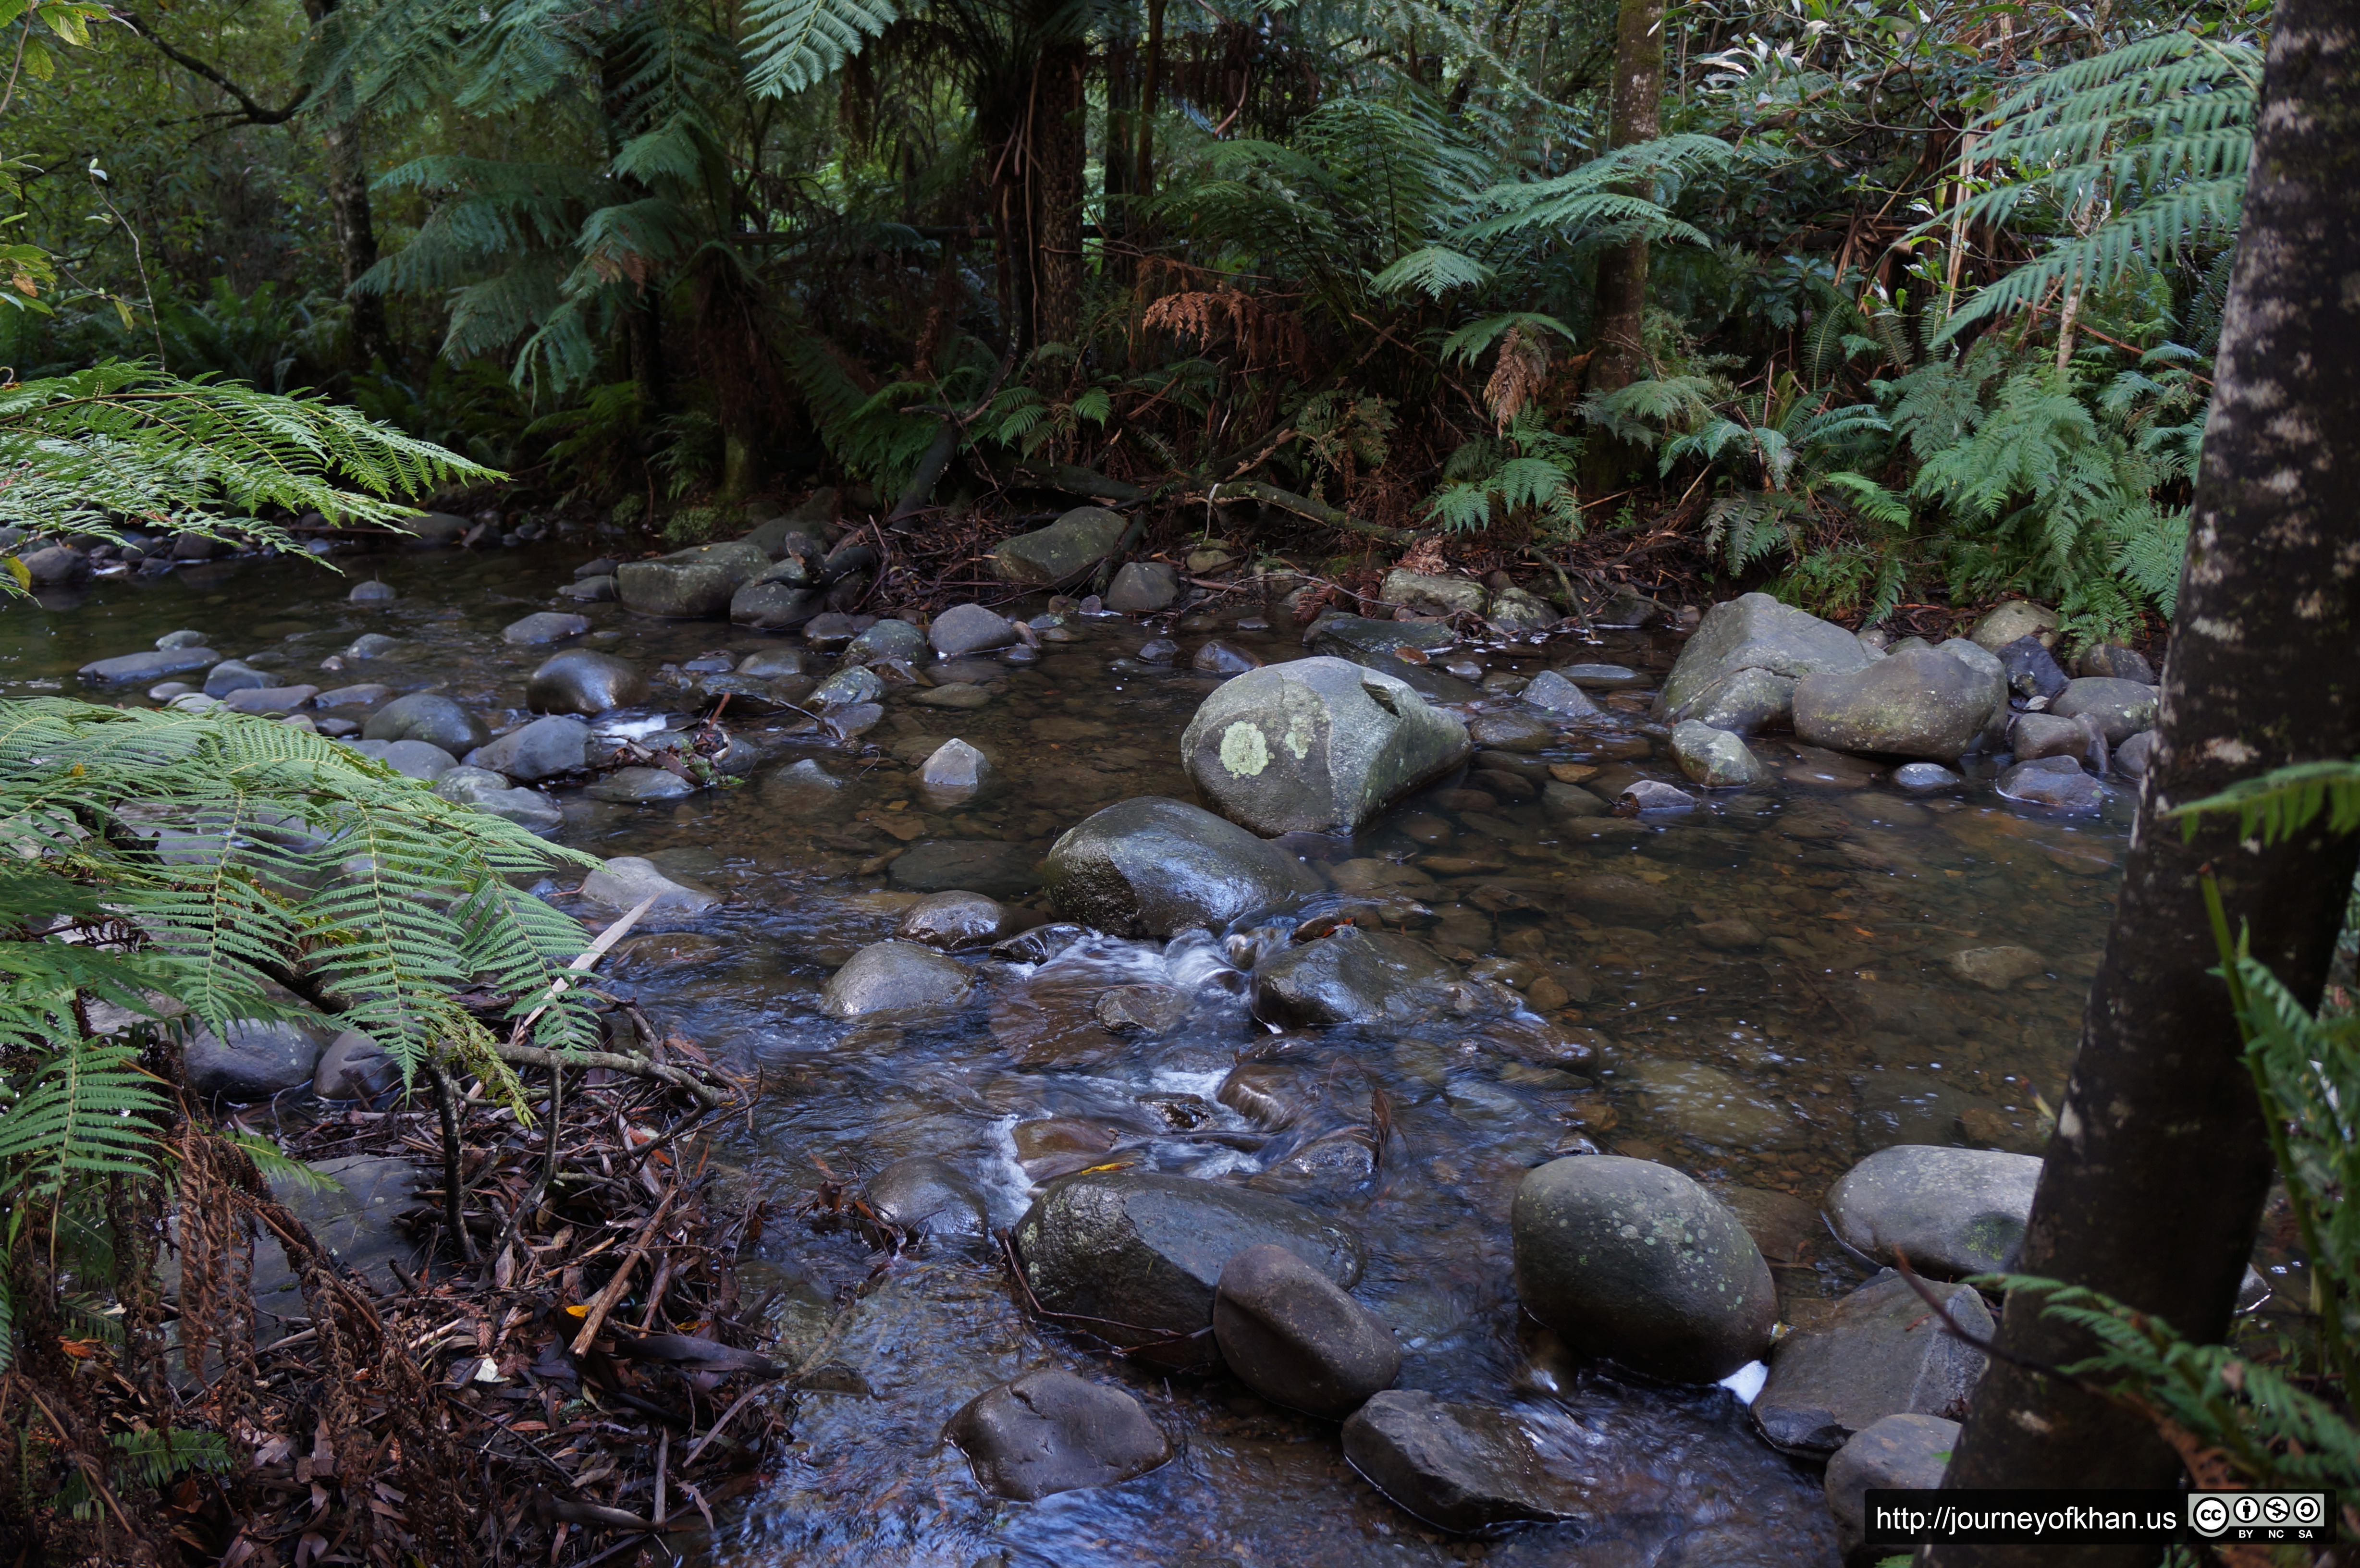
[
  {"x": 1151, "y": 86},
  {"x": 1058, "y": 153},
  {"x": 348, "y": 209},
  {"x": 2155, "y": 1175},
  {"x": 1635, "y": 116}
]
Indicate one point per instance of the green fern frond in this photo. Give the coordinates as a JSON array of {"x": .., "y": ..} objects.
[
  {"x": 793, "y": 44},
  {"x": 1433, "y": 270},
  {"x": 2283, "y": 802}
]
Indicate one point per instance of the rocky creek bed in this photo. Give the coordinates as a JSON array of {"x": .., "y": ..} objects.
[{"x": 1298, "y": 1122}]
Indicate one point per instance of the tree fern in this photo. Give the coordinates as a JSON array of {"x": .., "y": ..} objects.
[
  {"x": 2155, "y": 135},
  {"x": 791, "y": 44}
]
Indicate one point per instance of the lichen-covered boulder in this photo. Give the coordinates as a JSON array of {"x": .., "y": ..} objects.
[
  {"x": 1065, "y": 549},
  {"x": 1749, "y": 646}
]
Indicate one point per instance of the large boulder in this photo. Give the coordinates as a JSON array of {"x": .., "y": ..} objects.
[
  {"x": 1951, "y": 1211},
  {"x": 1063, "y": 550},
  {"x": 581, "y": 680},
  {"x": 889, "y": 974},
  {"x": 2122, "y": 708},
  {"x": 1316, "y": 746},
  {"x": 1746, "y": 648},
  {"x": 1137, "y": 1258},
  {"x": 541, "y": 749},
  {"x": 1293, "y": 1335},
  {"x": 431, "y": 717},
  {"x": 1152, "y": 865},
  {"x": 1920, "y": 701},
  {"x": 695, "y": 584},
  {"x": 1351, "y": 976},
  {"x": 1464, "y": 1467},
  {"x": 1632, "y": 1260},
  {"x": 1880, "y": 1352},
  {"x": 1050, "y": 1432}
]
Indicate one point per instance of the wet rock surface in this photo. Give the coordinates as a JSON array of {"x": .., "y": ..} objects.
[
  {"x": 1292, "y": 1334},
  {"x": 1051, "y": 1432},
  {"x": 1882, "y": 1351},
  {"x": 1462, "y": 1467},
  {"x": 1918, "y": 702},
  {"x": 1151, "y": 866},
  {"x": 252, "y": 1060},
  {"x": 1903, "y": 1453},
  {"x": 885, "y": 975}
]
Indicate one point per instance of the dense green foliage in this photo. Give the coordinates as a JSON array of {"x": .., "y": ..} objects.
[{"x": 1932, "y": 298}]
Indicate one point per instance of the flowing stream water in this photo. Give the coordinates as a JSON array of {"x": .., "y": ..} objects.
[{"x": 1762, "y": 1069}]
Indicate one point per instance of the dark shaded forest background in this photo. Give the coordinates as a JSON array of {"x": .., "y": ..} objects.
[{"x": 1872, "y": 303}]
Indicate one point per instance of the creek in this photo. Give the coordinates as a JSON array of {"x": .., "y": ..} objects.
[{"x": 1789, "y": 1005}]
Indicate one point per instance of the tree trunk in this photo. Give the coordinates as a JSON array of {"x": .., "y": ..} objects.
[
  {"x": 1055, "y": 191},
  {"x": 2155, "y": 1175},
  {"x": 348, "y": 209},
  {"x": 1151, "y": 87},
  {"x": 1635, "y": 116}
]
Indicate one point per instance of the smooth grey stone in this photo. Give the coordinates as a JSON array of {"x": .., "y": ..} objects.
[
  {"x": 1065, "y": 548},
  {"x": 970, "y": 670},
  {"x": 1901, "y": 1453},
  {"x": 1952, "y": 1212},
  {"x": 411, "y": 758},
  {"x": 1462, "y": 1467},
  {"x": 541, "y": 749},
  {"x": 1218, "y": 657},
  {"x": 1317, "y": 745},
  {"x": 857, "y": 719},
  {"x": 2115, "y": 663},
  {"x": 490, "y": 793},
  {"x": 1882, "y": 1351},
  {"x": 970, "y": 628},
  {"x": 432, "y": 529},
  {"x": 163, "y": 662},
  {"x": 235, "y": 675},
  {"x": 463, "y": 785},
  {"x": 926, "y": 1196},
  {"x": 956, "y": 694},
  {"x": 1632, "y": 1260},
  {"x": 1510, "y": 732},
  {"x": 1158, "y": 650},
  {"x": 431, "y": 717},
  {"x": 372, "y": 645},
  {"x": 252, "y": 1060},
  {"x": 956, "y": 771},
  {"x": 986, "y": 865},
  {"x": 544, "y": 626},
  {"x": 1612, "y": 899},
  {"x": 2132, "y": 757},
  {"x": 887, "y": 642},
  {"x": 589, "y": 591},
  {"x": 1918, "y": 777},
  {"x": 1920, "y": 703},
  {"x": 1050, "y": 1432},
  {"x": 56, "y": 564},
  {"x": 1571, "y": 801},
  {"x": 583, "y": 680},
  {"x": 773, "y": 606},
  {"x": 366, "y": 695},
  {"x": 1718, "y": 759},
  {"x": 358, "y": 1221},
  {"x": 1752, "y": 633},
  {"x": 1145, "y": 1009},
  {"x": 1141, "y": 1255},
  {"x": 1554, "y": 693},
  {"x": 1432, "y": 595},
  {"x": 952, "y": 920},
  {"x": 893, "y": 974},
  {"x": 1646, "y": 795},
  {"x": 602, "y": 567},
  {"x": 2052, "y": 781},
  {"x": 2122, "y": 708},
  {"x": 2032, "y": 736},
  {"x": 171, "y": 688},
  {"x": 1516, "y": 612},
  {"x": 689, "y": 584},
  {"x": 1142, "y": 587},
  {"x": 354, "y": 1067},
  {"x": 270, "y": 699},
  {"x": 625, "y": 880},
  {"x": 171, "y": 641},
  {"x": 1290, "y": 1333},
  {"x": 830, "y": 631},
  {"x": 1152, "y": 865},
  {"x": 1601, "y": 677},
  {"x": 1352, "y": 977}
]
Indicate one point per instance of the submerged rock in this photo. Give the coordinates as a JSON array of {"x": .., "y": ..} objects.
[
  {"x": 1736, "y": 672},
  {"x": 625, "y": 880},
  {"x": 893, "y": 974},
  {"x": 1316, "y": 746},
  {"x": 1141, "y": 1255},
  {"x": 1152, "y": 865},
  {"x": 1460, "y": 1467},
  {"x": 2056, "y": 781},
  {"x": 1352, "y": 977},
  {"x": 926, "y": 1196},
  {"x": 1881, "y": 1353},
  {"x": 1632, "y": 1260},
  {"x": 987, "y": 866},
  {"x": 1292, "y": 1335},
  {"x": 1050, "y": 1432},
  {"x": 1952, "y": 1212},
  {"x": 956, "y": 771}
]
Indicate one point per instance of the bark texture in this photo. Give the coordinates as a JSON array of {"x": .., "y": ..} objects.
[
  {"x": 2156, "y": 1173},
  {"x": 1055, "y": 188},
  {"x": 1635, "y": 115}
]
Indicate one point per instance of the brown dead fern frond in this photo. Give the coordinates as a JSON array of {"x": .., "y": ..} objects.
[{"x": 1518, "y": 378}]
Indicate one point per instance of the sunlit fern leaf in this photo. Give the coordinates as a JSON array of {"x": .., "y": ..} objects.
[
  {"x": 791, "y": 44},
  {"x": 2286, "y": 801},
  {"x": 1433, "y": 270}
]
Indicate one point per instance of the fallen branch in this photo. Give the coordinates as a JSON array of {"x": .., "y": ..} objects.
[
  {"x": 1304, "y": 506},
  {"x": 596, "y": 1318},
  {"x": 1075, "y": 480},
  {"x": 637, "y": 1066}
]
